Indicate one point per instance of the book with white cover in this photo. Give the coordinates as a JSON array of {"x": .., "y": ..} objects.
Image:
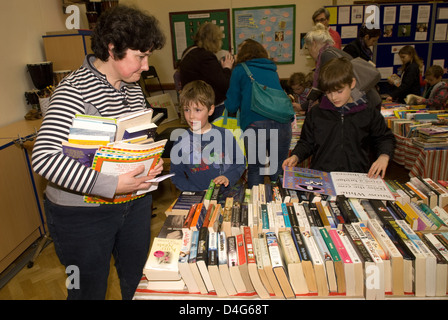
[
  {"x": 162, "y": 262},
  {"x": 430, "y": 260},
  {"x": 326, "y": 259},
  {"x": 184, "y": 268},
  {"x": 442, "y": 266},
  {"x": 223, "y": 266},
  {"x": 318, "y": 264},
  {"x": 357, "y": 263},
  {"x": 375, "y": 279},
  {"x": 293, "y": 263}
]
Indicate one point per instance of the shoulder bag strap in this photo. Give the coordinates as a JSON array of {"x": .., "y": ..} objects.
[{"x": 249, "y": 74}]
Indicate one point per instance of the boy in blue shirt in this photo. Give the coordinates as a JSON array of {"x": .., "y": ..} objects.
[{"x": 204, "y": 152}]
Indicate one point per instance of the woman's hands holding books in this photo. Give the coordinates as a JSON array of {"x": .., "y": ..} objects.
[{"x": 132, "y": 181}]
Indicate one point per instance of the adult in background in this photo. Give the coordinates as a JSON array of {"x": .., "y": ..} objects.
[
  {"x": 199, "y": 62},
  {"x": 239, "y": 96},
  {"x": 322, "y": 15},
  {"x": 87, "y": 235},
  {"x": 319, "y": 43},
  {"x": 361, "y": 46}
]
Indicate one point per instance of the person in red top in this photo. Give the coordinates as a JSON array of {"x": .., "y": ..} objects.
[{"x": 322, "y": 15}]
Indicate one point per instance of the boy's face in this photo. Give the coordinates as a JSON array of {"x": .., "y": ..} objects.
[
  {"x": 342, "y": 96},
  {"x": 197, "y": 115},
  {"x": 431, "y": 80}
]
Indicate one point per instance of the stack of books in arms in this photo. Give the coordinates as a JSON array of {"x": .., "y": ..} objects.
[
  {"x": 114, "y": 146},
  {"x": 272, "y": 242}
]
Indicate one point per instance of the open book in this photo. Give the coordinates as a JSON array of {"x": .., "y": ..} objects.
[
  {"x": 350, "y": 184},
  {"x": 411, "y": 99}
]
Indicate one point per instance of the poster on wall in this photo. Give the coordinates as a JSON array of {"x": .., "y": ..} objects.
[{"x": 273, "y": 27}]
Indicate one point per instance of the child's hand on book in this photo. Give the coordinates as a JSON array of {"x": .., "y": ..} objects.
[
  {"x": 290, "y": 162},
  {"x": 221, "y": 180},
  {"x": 379, "y": 167}
]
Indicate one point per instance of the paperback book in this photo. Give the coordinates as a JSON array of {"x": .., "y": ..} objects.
[{"x": 349, "y": 184}]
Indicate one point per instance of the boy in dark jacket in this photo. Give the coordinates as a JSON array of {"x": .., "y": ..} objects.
[{"x": 341, "y": 131}]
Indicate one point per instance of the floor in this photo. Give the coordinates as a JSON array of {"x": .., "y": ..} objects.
[{"x": 46, "y": 279}]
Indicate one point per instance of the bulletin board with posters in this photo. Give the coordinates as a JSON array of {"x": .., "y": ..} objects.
[
  {"x": 422, "y": 25},
  {"x": 184, "y": 26},
  {"x": 273, "y": 27}
]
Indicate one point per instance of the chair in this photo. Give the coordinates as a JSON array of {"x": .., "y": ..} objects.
[{"x": 151, "y": 74}]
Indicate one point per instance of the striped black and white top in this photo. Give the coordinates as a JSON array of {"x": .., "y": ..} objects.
[{"x": 85, "y": 91}]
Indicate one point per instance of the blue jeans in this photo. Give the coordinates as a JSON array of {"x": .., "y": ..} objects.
[
  {"x": 87, "y": 237},
  {"x": 263, "y": 139}
]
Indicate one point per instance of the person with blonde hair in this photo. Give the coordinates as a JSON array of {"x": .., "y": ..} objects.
[
  {"x": 319, "y": 43},
  {"x": 199, "y": 62}
]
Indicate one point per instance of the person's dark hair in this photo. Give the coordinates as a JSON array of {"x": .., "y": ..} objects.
[
  {"x": 372, "y": 33},
  {"x": 335, "y": 74},
  {"x": 250, "y": 49},
  {"x": 125, "y": 28}
]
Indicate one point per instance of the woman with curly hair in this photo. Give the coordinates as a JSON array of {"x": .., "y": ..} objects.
[{"x": 86, "y": 235}]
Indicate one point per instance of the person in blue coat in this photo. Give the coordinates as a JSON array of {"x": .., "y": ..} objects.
[{"x": 267, "y": 141}]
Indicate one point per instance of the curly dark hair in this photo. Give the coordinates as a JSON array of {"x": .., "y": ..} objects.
[{"x": 126, "y": 28}]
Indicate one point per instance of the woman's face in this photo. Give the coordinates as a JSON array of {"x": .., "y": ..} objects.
[
  {"x": 370, "y": 42},
  {"x": 313, "y": 49},
  {"x": 129, "y": 68}
]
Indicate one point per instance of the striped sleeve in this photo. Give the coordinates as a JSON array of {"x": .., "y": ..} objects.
[{"x": 47, "y": 158}]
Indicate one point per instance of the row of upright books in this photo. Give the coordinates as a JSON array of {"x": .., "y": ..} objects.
[{"x": 270, "y": 242}]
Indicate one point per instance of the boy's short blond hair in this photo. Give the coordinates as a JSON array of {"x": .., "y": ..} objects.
[{"x": 198, "y": 92}]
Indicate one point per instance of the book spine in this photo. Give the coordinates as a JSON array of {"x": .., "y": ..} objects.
[
  {"x": 353, "y": 231},
  {"x": 189, "y": 217},
  {"x": 194, "y": 247},
  {"x": 300, "y": 246},
  {"x": 222, "y": 248},
  {"x": 186, "y": 245},
  {"x": 250, "y": 252},
  {"x": 292, "y": 216},
  {"x": 202, "y": 245},
  {"x": 213, "y": 249},
  {"x": 286, "y": 215},
  {"x": 345, "y": 257},
  {"x": 330, "y": 245},
  {"x": 264, "y": 217},
  {"x": 208, "y": 215},
  {"x": 274, "y": 250},
  {"x": 315, "y": 213},
  {"x": 346, "y": 211},
  {"x": 232, "y": 255},
  {"x": 240, "y": 248},
  {"x": 302, "y": 219}
]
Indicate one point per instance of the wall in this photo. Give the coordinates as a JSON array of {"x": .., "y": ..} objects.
[{"x": 23, "y": 22}]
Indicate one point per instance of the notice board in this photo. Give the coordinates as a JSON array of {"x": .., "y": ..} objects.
[
  {"x": 273, "y": 27},
  {"x": 184, "y": 26}
]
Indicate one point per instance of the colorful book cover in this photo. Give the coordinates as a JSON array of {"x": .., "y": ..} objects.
[{"x": 308, "y": 180}]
